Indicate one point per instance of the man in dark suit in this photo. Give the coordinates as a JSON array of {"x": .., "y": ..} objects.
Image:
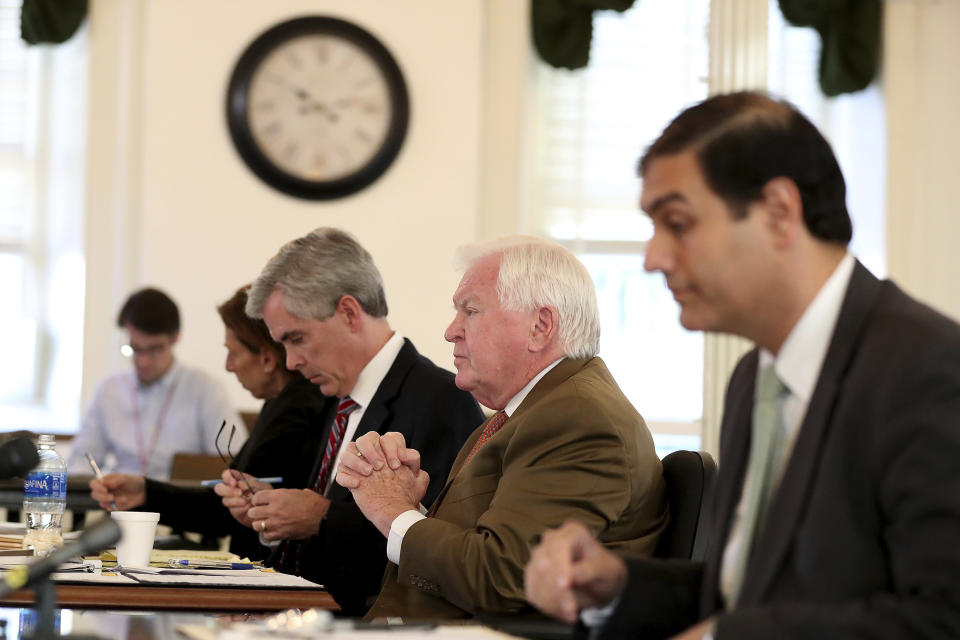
[
  {"x": 837, "y": 506},
  {"x": 322, "y": 297},
  {"x": 565, "y": 443}
]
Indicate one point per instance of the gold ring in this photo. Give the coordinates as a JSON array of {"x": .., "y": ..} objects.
[
  {"x": 359, "y": 455},
  {"x": 263, "y": 525}
]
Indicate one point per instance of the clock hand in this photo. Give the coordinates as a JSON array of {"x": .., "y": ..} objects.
[
  {"x": 300, "y": 93},
  {"x": 326, "y": 111}
]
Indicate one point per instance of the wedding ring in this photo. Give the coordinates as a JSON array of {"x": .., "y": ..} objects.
[
  {"x": 263, "y": 525},
  {"x": 359, "y": 455}
]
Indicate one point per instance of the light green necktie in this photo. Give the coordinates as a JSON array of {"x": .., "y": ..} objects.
[{"x": 766, "y": 448}]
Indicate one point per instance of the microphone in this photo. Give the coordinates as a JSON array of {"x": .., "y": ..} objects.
[
  {"x": 17, "y": 456},
  {"x": 94, "y": 538}
]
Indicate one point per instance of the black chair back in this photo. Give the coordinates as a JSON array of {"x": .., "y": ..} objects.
[{"x": 690, "y": 478}]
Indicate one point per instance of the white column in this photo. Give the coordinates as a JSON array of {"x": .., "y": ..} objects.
[
  {"x": 113, "y": 177},
  {"x": 506, "y": 77},
  {"x": 738, "y": 61},
  {"x": 922, "y": 97}
]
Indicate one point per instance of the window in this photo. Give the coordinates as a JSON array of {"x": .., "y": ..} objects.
[
  {"x": 591, "y": 126},
  {"x": 853, "y": 124},
  {"x": 42, "y": 119}
]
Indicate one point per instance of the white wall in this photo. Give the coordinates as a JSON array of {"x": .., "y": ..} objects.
[{"x": 171, "y": 204}]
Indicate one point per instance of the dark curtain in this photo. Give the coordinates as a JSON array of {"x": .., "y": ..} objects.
[
  {"x": 850, "y": 39},
  {"x": 562, "y": 29},
  {"x": 50, "y": 21},
  {"x": 849, "y": 31}
]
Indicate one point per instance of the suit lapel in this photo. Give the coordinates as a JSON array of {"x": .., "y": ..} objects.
[
  {"x": 791, "y": 495},
  {"x": 564, "y": 369},
  {"x": 377, "y": 413}
]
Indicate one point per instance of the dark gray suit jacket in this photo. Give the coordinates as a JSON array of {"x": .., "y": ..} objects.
[{"x": 863, "y": 533}]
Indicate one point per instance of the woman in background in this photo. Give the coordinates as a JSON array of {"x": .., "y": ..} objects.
[{"x": 284, "y": 441}]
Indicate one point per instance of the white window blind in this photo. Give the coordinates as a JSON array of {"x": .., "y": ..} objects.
[
  {"x": 591, "y": 127},
  {"x": 854, "y": 124},
  {"x": 42, "y": 176},
  {"x": 18, "y": 160}
]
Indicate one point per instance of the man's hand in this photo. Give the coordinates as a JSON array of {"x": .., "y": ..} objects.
[
  {"x": 287, "y": 514},
  {"x": 569, "y": 571},
  {"x": 386, "y": 493},
  {"x": 127, "y": 491},
  {"x": 371, "y": 452},
  {"x": 236, "y": 495}
]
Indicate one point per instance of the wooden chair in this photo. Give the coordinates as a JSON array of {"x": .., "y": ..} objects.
[{"x": 196, "y": 466}]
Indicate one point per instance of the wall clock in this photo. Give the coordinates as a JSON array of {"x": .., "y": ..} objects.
[{"x": 317, "y": 107}]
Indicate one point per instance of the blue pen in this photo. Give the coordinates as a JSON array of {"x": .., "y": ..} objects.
[
  {"x": 210, "y": 564},
  {"x": 270, "y": 480}
]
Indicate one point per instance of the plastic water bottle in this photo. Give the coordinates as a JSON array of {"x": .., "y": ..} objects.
[{"x": 44, "y": 499}]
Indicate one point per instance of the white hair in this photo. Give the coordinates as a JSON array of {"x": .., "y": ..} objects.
[{"x": 536, "y": 273}]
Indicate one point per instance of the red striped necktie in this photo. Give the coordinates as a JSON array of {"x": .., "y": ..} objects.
[{"x": 337, "y": 429}]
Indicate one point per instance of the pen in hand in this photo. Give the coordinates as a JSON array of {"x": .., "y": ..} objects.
[
  {"x": 270, "y": 480},
  {"x": 99, "y": 474}
]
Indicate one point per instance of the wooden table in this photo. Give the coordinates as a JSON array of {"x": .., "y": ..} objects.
[{"x": 179, "y": 598}]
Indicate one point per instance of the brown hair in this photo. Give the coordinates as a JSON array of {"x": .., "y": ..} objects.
[{"x": 252, "y": 333}]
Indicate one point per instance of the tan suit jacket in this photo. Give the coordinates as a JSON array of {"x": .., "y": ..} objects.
[{"x": 574, "y": 448}]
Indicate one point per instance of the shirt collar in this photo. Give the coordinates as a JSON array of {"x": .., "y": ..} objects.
[
  {"x": 163, "y": 382},
  {"x": 522, "y": 394},
  {"x": 376, "y": 370},
  {"x": 802, "y": 354}
]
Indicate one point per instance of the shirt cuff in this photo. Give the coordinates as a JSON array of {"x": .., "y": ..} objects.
[
  {"x": 597, "y": 617},
  {"x": 398, "y": 528},
  {"x": 269, "y": 543}
]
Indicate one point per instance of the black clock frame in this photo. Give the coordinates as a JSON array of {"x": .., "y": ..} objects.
[{"x": 237, "y": 104}]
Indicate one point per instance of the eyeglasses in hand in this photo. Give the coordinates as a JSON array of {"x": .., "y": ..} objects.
[{"x": 227, "y": 458}]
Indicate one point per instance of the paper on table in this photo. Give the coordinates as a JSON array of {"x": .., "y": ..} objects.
[
  {"x": 232, "y": 578},
  {"x": 162, "y": 557},
  {"x": 251, "y": 631}
]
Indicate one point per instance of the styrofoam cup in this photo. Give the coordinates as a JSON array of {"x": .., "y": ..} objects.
[{"x": 137, "y": 529}]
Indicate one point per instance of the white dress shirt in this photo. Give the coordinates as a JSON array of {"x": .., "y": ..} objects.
[
  {"x": 798, "y": 366},
  {"x": 402, "y": 523},
  {"x": 364, "y": 389},
  {"x": 128, "y": 424}
]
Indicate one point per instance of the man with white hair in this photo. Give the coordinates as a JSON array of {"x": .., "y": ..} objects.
[{"x": 564, "y": 443}]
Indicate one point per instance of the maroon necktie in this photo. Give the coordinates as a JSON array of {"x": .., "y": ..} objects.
[
  {"x": 493, "y": 425},
  {"x": 337, "y": 430},
  {"x": 489, "y": 429}
]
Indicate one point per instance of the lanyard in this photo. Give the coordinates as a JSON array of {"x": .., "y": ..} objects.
[{"x": 145, "y": 456}]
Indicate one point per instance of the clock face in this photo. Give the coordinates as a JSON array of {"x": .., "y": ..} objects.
[{"x": 317, "y": 107}]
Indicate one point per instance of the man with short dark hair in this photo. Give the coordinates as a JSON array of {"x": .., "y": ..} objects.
[
  {"x": 137, "y": 421},
  {"x": 837, "y": 505}
]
